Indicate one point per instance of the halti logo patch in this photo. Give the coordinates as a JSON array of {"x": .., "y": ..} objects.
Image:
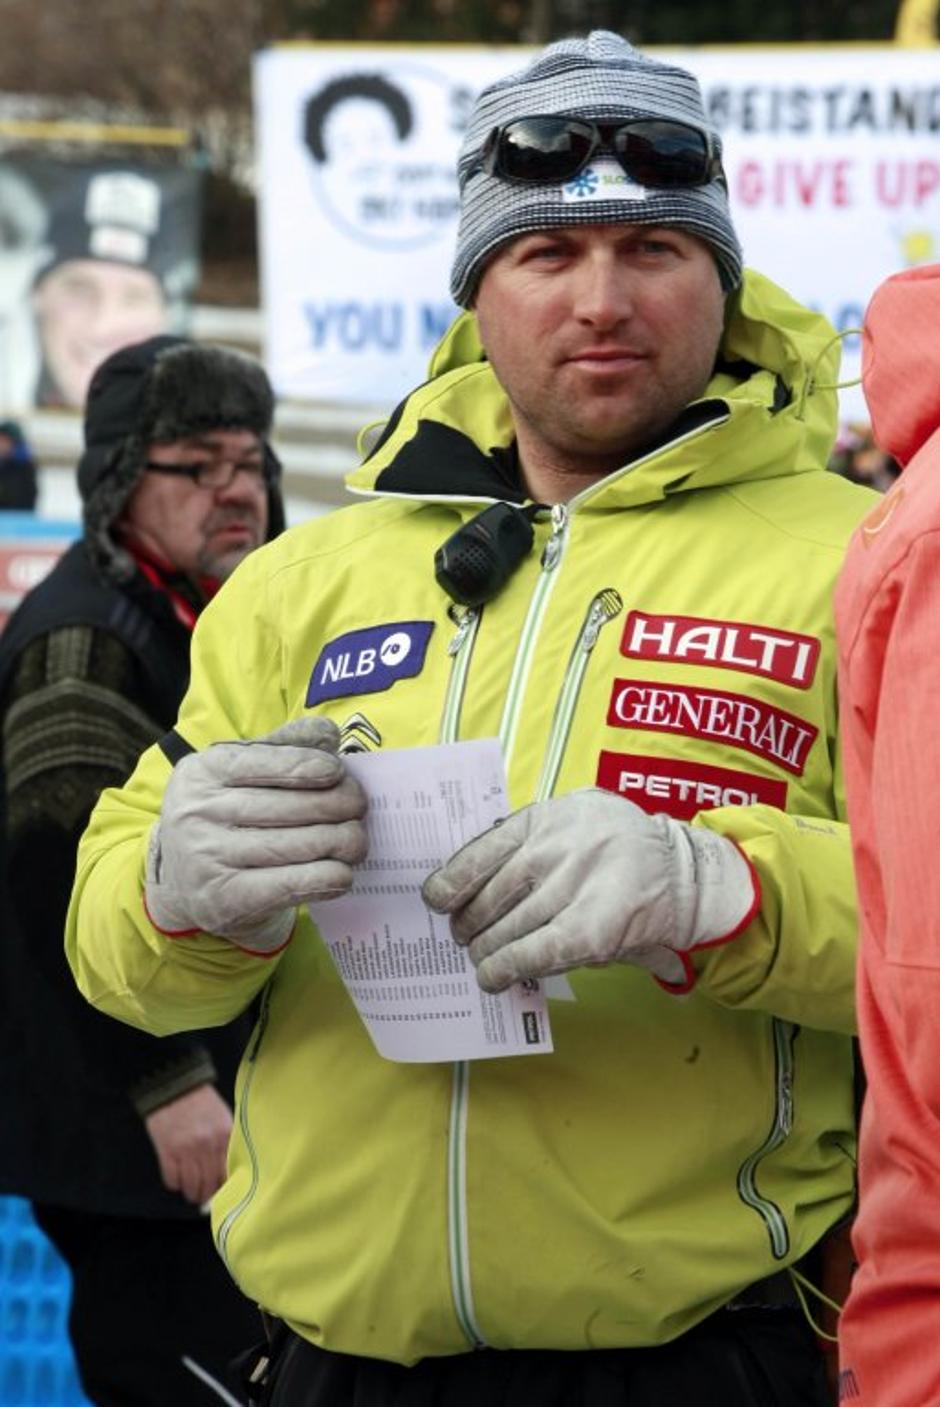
[
  {"x": 369, "y": 661},
  {"x": 783, "y": 655}
]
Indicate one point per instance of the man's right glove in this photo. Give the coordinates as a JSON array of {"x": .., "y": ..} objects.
[{"x": 249, "y": 830}]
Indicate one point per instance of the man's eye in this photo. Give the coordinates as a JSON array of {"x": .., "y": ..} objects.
[
  {"x": 546, "y": 252},
  {"x": 655, "y": 246}
]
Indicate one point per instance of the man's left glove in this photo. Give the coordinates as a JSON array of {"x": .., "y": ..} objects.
[{"x": 589, "y": 879}]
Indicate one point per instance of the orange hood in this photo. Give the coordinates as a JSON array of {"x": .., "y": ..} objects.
[{"x": 900, "y": 359}]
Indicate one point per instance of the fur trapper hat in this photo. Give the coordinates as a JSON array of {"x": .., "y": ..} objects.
[{"x": 156, "y": 392}]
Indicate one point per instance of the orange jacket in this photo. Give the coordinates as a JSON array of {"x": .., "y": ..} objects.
[{"x": 888, "y": 618}]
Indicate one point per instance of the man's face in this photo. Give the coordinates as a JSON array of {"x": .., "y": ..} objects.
[
  {"x": 359, "y": 131},
  {"x": 88, "y": 308},
  {"x": 600, "y": 335},
  {"x": 202, "y": 532}
]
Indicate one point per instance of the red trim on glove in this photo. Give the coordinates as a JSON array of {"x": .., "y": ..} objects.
[
  {"x": 678, "y": 989},
  {"x": 195, "y": 932},
  {"x": 272, "y": 952},
  {"x": 691, "y": 976},
  {"x": 167, "y": 932}
]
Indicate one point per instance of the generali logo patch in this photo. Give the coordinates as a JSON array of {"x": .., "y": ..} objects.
[
  {"x": 728, "y": 718},
  {"x": 682, "y": 789},
  {"x": 752, "y": 649}
]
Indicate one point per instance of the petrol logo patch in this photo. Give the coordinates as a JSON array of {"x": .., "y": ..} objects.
[
  {"x": 369, "y": 661},
  {"x": 721, "y": 717},
  {"x": 682, "y": 789},
  {"x": 753, "y": 649}
]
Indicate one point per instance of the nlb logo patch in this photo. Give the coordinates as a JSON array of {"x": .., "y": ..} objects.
[
  {"x": 715, "y": 714},
  {"x": 753, "y": 649},
  {"x": 369, "y": 661},
  {"x": 682, "y": 789}
]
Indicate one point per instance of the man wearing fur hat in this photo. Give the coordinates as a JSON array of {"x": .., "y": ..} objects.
[
  {"x": 116, "y": 1137},
  {"x": 621, "y": 452}
]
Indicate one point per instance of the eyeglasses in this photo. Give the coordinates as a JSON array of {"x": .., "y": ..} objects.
[
  {"x": 655, "y": 152},
  {"x": 212, "y": 473}
]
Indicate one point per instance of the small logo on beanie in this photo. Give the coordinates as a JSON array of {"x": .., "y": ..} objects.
[
  {"x": 603, "y": 180},
  {"x": 122, "y": 210}
]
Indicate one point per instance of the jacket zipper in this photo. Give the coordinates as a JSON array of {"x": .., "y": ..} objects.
[
  {"x": 460, "y": 650},
  {"x": 552, "y": 555},
  {"x": 235, "y": 1213},
  {"x": 606, "y": 605},
  {"x": 784, "y": 1034}
]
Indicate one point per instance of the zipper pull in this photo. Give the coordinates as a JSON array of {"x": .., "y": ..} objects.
[
  {"x": 552, "y": 550},
  {"x": 463, "y": 620},
  {"x": 607, "y": 604},
  {"x": 786, "y": 1103}
]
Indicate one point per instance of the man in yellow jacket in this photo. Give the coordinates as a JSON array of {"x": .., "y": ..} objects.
[{"x": 618, "y": 465}]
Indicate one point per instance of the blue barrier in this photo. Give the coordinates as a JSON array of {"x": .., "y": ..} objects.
[
  {"x": 37, "y": 1368},
  {"x": 29, "y": 525}
]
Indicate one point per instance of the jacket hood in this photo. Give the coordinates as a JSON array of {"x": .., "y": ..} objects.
[
  {"x": 899, "y": 348},
  {"x": 774, "y": 383}
]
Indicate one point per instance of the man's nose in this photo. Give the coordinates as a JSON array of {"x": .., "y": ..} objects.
[
  {"x": 604, "y": 294},
  {"x": 242, "y": 487}
]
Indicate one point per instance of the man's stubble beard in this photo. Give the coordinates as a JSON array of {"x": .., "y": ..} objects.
[{"x": 221, "y": 564}]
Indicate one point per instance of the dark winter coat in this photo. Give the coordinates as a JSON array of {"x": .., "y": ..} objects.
[{"x": 91, "y": 673}]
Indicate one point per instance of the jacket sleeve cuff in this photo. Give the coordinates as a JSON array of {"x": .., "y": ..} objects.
[{"x": 172, "y": 1080}]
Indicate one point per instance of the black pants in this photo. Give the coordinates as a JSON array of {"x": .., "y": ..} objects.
[
  {"x": 155, "y": 1319},
  {"x": 737, "y": 1358}
]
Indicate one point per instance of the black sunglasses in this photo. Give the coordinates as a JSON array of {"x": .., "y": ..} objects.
[{"x": 654, "y": 152}]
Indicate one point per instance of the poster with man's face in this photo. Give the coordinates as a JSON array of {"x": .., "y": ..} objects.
[
  {"x": 93, "y": 256},
  {"x": 358, "y": 206},
  {"x": 375, "y": 178}
]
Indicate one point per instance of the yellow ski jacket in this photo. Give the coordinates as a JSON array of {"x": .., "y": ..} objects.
[{"x": 670, "y": 637}]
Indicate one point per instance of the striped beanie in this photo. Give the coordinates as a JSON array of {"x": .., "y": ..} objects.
[{"x": 600, "y": 77}]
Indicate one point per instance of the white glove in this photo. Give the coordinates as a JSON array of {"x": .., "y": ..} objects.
[
  {"x": 589, "y": 879},
  {"x": 249, "y": 830}
]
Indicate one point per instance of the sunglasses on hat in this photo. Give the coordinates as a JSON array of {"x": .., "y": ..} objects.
[{"x": 655, "y": 152}]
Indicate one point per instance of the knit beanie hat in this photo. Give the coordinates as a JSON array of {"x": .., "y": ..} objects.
[
  {"x": 141, "y": 218},
  {"x": 155, "y": 392},
  {"x": 601, "y": 77}
]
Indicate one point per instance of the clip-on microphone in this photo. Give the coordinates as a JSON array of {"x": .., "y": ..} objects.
[{"x": 475, "y": 563}]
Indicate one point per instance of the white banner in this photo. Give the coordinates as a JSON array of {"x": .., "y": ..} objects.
[{"x": 832, "y": 156}]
